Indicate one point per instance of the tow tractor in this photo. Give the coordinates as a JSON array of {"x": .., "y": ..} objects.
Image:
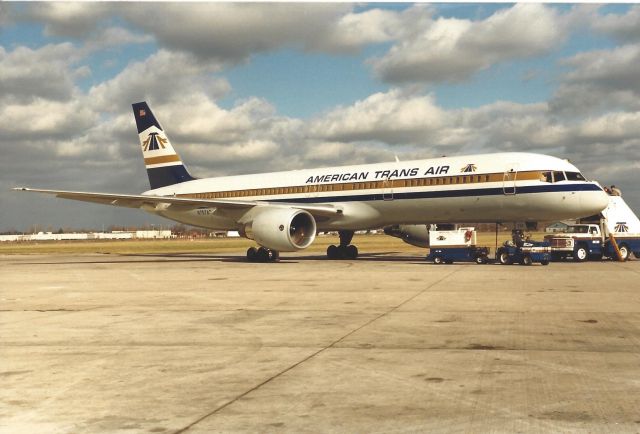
[
  {"x": 612, "y": 234},
  {"x": 523, "y": 251},
  {"x": 458, "y": 245}
]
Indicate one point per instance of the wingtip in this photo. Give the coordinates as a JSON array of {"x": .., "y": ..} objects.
[{"x": 20, "y": 189}]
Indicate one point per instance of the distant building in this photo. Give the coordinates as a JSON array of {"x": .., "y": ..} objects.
[
  {"x": 153, "y": 234},
  {"x": 558, "y": 226},
  {"x": 117, "y": 235}
]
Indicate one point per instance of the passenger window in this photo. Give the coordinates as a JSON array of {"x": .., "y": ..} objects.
[{"x": 558, "y": 176}]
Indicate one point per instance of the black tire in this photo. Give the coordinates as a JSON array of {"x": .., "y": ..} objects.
[
  {"x": 332, "y": 252},
  {"x": 504, "y": 258},
  {"x": 438, "y": 260},
  {"x": 275, "y": 255},
  {"x": 624, "y": 252},
  {"x": 526, "y": 260},
  {"x": 263, "y": 255},
  {"x": 252, "y": 254},
  {"x": 479, "y": 260},
  {"x": 352, "y": 251},
  {"x": 581, "y": 254},
  {"x": 544, "y": 262},
  {"x": 636, "y": 254}
]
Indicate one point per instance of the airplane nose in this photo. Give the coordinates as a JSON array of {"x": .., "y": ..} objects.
[{"x": 595, "y": 201}]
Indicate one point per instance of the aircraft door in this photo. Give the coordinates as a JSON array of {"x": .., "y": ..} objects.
[
  {"x": 509, "y": 180},
  {"x": 387, "y": 189}
]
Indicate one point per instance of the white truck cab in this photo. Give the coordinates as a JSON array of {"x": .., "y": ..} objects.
[{"x": 617, "y": 225}]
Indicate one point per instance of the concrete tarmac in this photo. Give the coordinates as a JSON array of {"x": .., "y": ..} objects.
[{"x": 386, "y": 343}]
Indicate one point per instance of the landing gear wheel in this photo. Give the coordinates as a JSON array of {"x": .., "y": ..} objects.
[
  {"x": 262, "y": 254},
  {"x": 344, "y": 250},
  {"x": 351, "y": 251},
  {"x": 581, "y": 254},
  {"x": 332, "y": 252},
  {"x": 252, "y": 253},
  {"x": 527, "y": 260}
]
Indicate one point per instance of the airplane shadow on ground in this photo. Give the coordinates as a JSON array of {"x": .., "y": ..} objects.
[{"x": 127, "y": 258}]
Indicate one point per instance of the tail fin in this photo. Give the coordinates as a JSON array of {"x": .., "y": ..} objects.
[{"x": 164, "y": 166}]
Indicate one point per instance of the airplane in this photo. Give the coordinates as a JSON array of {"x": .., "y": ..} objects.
[{"x": 283, "y": 211}]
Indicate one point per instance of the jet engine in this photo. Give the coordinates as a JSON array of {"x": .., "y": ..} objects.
[
  {"x": 281, "y": 229},
  {"x": 416, "y": 235}
]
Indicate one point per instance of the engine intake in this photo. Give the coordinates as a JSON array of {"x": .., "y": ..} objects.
[{"x": 281, "y": 229}]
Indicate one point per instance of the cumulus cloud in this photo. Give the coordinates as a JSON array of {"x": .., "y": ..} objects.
[
  {"x": 600, "y": 80},
  {"x": 26, "y": 74},
  {"x": 451, "y": 50},
  {"x": 74, "y": 19},
  {"x": 163, "y": 76},
  {"x": 396, "y": 116},
  {"x": 354, "y": 30},
  {"x": 624, "y": 27},
  {"x": 228, "y": 32},
  {"x": 44, "y": 119},
  {"x": 232, "y": 31},
  {"x": 113, "y": 37}
]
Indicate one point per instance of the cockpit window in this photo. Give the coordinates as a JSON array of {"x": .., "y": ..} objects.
[
  {"x": 558, "y": 176},
  {"x": 575, "y": 176},
  {"x": 546, "y": 177}
]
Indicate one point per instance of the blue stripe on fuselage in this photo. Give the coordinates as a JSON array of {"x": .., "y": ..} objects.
[{"x": 499, "y": 191}]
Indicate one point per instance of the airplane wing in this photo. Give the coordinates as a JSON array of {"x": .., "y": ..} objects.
[{"x": 137, "y": 201}]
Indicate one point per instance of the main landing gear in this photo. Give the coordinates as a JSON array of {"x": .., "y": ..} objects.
[
  {"x": 262, "y": 254},
  {"x": 344, "y": 250}
]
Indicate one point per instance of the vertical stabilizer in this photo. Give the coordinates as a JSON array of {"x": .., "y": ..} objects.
[{"x": 164, "y": 166}]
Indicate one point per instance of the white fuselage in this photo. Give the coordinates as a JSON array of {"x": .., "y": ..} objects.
[{"x": 476, "y": 188}]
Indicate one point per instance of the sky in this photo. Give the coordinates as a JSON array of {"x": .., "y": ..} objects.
[{"x": 258, "y": 87}]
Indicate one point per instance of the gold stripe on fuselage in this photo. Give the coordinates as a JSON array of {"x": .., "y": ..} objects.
[{"x": 372, "y": 185}]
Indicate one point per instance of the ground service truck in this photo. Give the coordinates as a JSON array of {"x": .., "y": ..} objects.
[{"x": 612, "y": 234}]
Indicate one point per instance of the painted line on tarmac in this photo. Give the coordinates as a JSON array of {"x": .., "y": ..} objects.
[{"x": 311, "y": 356}]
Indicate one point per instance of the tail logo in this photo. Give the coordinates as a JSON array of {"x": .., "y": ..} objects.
[
  {"x": 153, "y": 142},
  {"x": 469, "y": 168},
  {"x": 621, "y": 227}
]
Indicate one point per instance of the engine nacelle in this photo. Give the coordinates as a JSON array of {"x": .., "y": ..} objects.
[
  {"x": 281, "y": 229},
  {"x": 416, "y": 235}
]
